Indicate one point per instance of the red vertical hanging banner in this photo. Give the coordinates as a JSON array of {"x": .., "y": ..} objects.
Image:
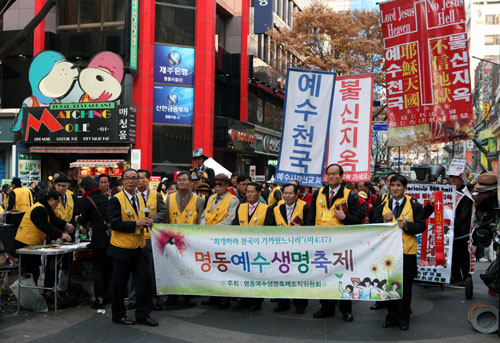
[
  {"x": 427, "y": 71},
  {"x": 439, "y": 228}
]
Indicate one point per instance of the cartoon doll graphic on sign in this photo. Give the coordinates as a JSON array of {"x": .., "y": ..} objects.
[
  {"x": 51, "y": 77},
  {"x": 101, "y": 80}
]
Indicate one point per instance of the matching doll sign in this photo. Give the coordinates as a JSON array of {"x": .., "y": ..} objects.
[{"x": 69, "y": 105}]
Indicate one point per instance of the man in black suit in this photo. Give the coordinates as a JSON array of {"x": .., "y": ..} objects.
[
  {"x": 291, "y": 211},
  {"x": 127, "y": 249}
]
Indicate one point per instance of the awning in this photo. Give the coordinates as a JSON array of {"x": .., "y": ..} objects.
[
  {"x": 80, "y": 149},
  {"x": 96, "y": 163}
]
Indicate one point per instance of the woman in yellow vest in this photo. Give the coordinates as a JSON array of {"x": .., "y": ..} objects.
[
  {"x": 410, "y": 217},
  {"x": 252, "y": 213},
  {"x": 38, "y": 224}
]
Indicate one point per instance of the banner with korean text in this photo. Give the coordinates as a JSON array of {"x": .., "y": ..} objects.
[
  {"x": 351, "y": 126},
  {"x": 427, "y": 71},
  {"x": 430, "y": 268},
  {"x": 324, "y": 262},
  {"x": 306, "y": 120}
]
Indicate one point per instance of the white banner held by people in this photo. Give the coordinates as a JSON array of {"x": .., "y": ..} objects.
[
  {"x": 362, "y": 262},
  {"x": 351, "y": 126},
  {"x": 306, "y": 120}
]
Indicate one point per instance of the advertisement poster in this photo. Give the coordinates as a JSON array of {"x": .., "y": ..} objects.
[
  {"x": 174, "y": 65},
  {"x": 306, "y": 121},
  {"x": 30, "y": 168},
  {"x": 363, "y": 262},
  {"x": 427, "y": 72},
  {"x": 428, "y": 268},
  {"x": 351, "y": 126},
  {"x": 173, "y": 105}
]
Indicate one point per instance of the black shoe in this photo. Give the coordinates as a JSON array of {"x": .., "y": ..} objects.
[
  {"x": 377, "y": 306},
  {"x": 404, "y": 327},
  {"x": 348, "y": 317},
  {"x": 281, "y": 307},
  {"x": 124, "y": 320},
  {"x": 148, "y": 321},
  {"x": 224, "y": 303},
  {"x": 389, "y": 324},
  {"x": 255, "y": 308},
  {"x": 300, "y": 310},
  {"x": 130, "y": 306},
  {"x": 189, "y": 302},
  {"x": 322, "y": 313}
]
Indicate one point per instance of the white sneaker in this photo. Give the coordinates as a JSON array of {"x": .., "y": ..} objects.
[{"x": 483, "y": 259}]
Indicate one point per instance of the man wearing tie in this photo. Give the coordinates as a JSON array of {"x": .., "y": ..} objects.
[
  {"x": 291, "y": 211},
  {"x": 327, "y": 208},
  {"x": 127, "y": 249},
  {"x": 410, "y": 217}
]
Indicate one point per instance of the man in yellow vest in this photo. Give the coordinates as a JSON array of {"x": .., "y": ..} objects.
[
  {"x": 252, "y": 213},
  {"x": 20, "y": 200},
  {"x": 38, "y": 224},
  {"x": 410, "y": 217},
  {"x": 220, "y": 210},
  {"x": 183, "y": 207},
  {"x": 291, "y": 211},
  {"x": 127, "y": 249},
  {"x": 67, "y": 210},
  {"x": 275, "y": 195},
  {"x": 328, "y": 207}
]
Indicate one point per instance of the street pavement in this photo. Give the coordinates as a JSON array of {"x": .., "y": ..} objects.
[{"x": 439, "y": 315}]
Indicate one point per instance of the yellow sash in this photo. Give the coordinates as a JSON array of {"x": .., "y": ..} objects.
[
  {"x": 188, "y": 216},
  {"x": 28, "y": 233},
  {"x": 409, "y": 241},
  {"x": 66, "y": 213},
  {"x": 297, "y": 211},
  {"x": 258, "y": 216},
  {"x": 129, "y": 240},
  {"x": 325, "y": 216},
  {"x": 220, "y": 212}
]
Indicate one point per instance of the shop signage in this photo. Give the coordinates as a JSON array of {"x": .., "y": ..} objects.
[
  {"x": 173, "y": 105},
  {"x": 233, "y": 134},
  {"x": 80, "y": 123},
  {"x": 263, "y": 16},
  {"x": 267, "y": 144},
  {"x": 30, "y": 168},
  {"x": 134, "y": 32},
  {"x": 174, "y": 65}
]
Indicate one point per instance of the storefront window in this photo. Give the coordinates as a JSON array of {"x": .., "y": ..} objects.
[
  {"x": 273, "y": 115},
  {"x": 255, "y": 109},
  {"x": 172, "y": 146},
  {"x": 83, "y": 15},
  {"x": 174, "y": 25}
]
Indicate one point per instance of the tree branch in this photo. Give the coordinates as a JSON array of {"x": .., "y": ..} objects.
[{"x": 28, "y": 29}]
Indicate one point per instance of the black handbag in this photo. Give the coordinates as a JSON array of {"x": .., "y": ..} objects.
[{"x": 108, "y": 225}]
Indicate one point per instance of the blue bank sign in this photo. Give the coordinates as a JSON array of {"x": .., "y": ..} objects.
[
  {"x": 174, "y": 65},
  {"x": 263, "y": 16},
  {"x": 173, "y": 105}
]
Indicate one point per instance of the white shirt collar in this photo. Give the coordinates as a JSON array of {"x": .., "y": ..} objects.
[
  {"x": 335, "y": 190},
  {"x": 129, "y": 196},
  {"x": 146, "y": 192},
  {"x": 397, "y": 202}
]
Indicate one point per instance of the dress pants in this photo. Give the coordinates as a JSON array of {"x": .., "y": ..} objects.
[
  {"x": 460, "y": 261},
  {"x": 298, "y": 303},
  {"x": 30, "y": 264},
  {"x": 345, "y": 306},
  {"x": 101, "y": 264},
  {"x": 399, "y": 310},
  {"x": 139, "y": 266},
  {"x": 50, "y": 269}
]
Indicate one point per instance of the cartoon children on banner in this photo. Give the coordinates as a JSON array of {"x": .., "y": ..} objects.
[
  {"x": 369, "y": 290},
  {"x": 52, "y": 78}
]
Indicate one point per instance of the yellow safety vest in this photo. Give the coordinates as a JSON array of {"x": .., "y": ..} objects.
[
  {"x": 220, "y": 211},
  {"x": 325, "y": 216},
  {"x": 271, "y": 200},
  {"x": 129, "y": 240},
  {"x": 258, "y": 216},
  {"x": 66, "y": 212},
  {"x": 297, "y": 211},
  {"x": 28, "y": 233},
  {"x": 152, "y": 205},
  {"x": 164, "y": 196},
  {"x": 409, "y": 241},
  {"x": 5, "y": 200},
  {"x": 24, "y": 199},
  {"x": 188, "y": 216}
]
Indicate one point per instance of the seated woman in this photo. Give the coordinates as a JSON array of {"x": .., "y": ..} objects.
[{"x": 39, "y": 223}]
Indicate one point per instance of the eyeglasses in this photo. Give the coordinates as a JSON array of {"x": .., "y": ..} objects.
[
  {"x": 332, "y": 174},
  {"x": 133, "y": 178},
  {"x": 219, "y": 184}
]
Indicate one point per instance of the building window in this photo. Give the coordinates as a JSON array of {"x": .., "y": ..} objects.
[
  {"x": 220, "y": 28},
  {"x": 84, "y": 15},
  {"x": 492, "y": 40},
  {"x": 492, "y": 19},
  {"x": 174, "y": 24}
]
